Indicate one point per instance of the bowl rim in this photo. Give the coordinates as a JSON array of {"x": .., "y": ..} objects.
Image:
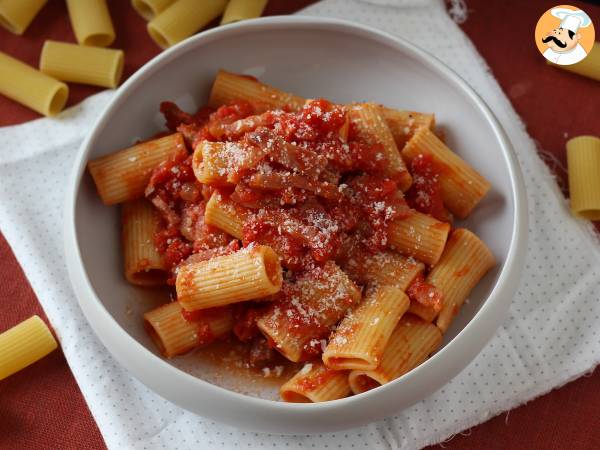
[{"x": 451, "y": 359}]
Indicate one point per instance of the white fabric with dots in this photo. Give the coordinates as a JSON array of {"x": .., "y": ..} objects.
[{"x": 551, "y": 336}]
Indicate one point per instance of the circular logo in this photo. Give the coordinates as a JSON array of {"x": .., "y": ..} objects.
[{"x": 564, "y": 35}]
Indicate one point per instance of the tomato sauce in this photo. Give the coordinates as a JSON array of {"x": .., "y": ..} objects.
[{"x": 425, "y": 193}]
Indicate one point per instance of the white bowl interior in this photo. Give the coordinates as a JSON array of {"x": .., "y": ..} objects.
[{"x": 312, "y": 61}]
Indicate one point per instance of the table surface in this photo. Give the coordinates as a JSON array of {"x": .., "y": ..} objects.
[{"x": 42, "y": 406}]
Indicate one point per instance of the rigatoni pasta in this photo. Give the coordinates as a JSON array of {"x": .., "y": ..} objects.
[
  {"x": 24, "y": 344},
  {"x": 175, "y": 335},
  {"x": 150, "y": 8},
  {"x": 82, "y": 64},
  {"x": 91, "y": 22},
  {"x": 144, "y": 266},
  {"x": 290, "y": 227},
  {"x": 315, "y": 383},
  {"x": 243, "y": 9},
  {"x": 410, "y": 344},
  {"x": 583, "y": 158},
  {"x": 123, "y": 175},
  {"x": 461, "y": 186},
  {"x": 249, "y": 274},
  {"x": 34, "y": 89},
  {"x": 182, "y": 19},
  {"x": 16, "y": 15},
  {"x": 361, "y": 337},
  {"x": 465, "y": 261}
]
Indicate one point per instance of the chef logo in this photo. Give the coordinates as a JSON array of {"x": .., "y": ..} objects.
[{"x": 564, "y": 35}]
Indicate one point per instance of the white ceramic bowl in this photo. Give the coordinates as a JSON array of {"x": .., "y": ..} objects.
[{"x": 312, "y": 57}]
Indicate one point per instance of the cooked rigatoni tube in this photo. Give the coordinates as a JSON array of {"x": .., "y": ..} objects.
[
  {"x": 583, "y": 157},
  {"x": 229, "y": 87},
  {"x": 225, "y": 214},
  {"x": 420, "y": 236},
  {"x": 123, "y": 175},
  {"x": 91, "y": 22},
  {"x": 404, "y": 124},
  {"x": 144, "y": 266},
  {"x": 243, "y": 9},
  {"x": 24, "y": 84},
  {"x": 315, "y": 383},
  {"x": 213, "y": 161},
  {"x": 360, "y": 339},
  {"x": 411, "y": 343},
  {"x": 465, "y": 261},
  {"x": 371, "y": 127},
  {"x": 23, "y": 345},
  {"x": 16, "y": 15},
  {"x": 461, "y": 186},
  {"x": 251, "y": 273},
  {"x": 182, "y": 19},
  {"x": 82, "y": 64},
  {"x": 150, "y": 8},
  {"x": 307, "y": 309},
  {"x": 175, "y": 335},
  {"x": 386, "y": 268}
]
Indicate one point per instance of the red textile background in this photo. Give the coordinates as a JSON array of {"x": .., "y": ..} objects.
[{"x": 42, "y": 407}]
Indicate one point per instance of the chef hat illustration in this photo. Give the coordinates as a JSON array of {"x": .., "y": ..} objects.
[{"x": 571, "y": 19}]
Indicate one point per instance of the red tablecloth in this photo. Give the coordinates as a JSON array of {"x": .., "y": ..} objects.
[{"x": 42, "y": 407}]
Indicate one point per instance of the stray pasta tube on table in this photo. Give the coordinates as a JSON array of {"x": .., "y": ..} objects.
[
  {"x": 251, "y": 273},
  {"x": 583, "y": 158},
  {"x": 175, "y": 335},
  {"x": 587, "y": 67},
  {"x": 16, "y": 15},
  {"x": 148, "y": 9},
  {"x": 243, "y": 9},
  {"x": 361, "y": 337},
  {"x": 91, "y": 22},
  {"x": 23, "y": 345},
  {"x": 315, "y": 383},
  {"x": 144, "y": 266},
  {"x": 82, "y": 64},
  {"x": 32, "y": 88},
  {"x": 123, "y": 175},
  {"x": 410, "y": 344},
  {"x": 182, "y": 19}
]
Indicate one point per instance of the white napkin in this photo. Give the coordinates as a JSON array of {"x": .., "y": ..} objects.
[{"x": 551, "y": 336}]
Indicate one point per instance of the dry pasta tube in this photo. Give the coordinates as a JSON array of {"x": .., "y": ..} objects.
[
  {"x": 144, "y": 266},
  {"x": 82, "y": 64},
  {"x": 24, "y": 84},
  {"x": 91, "y": 22},
  {"x": 386, "y": 268},
  {"x": 16, "y": 15},
  {"x": 243, "y": 9},
  {"x": 251, "y": 273},
  {"x": 465, "y": 261},
  {"x": 411, "y": 343},
  {"x": 404, "y": 124},
  {"x": 123, "y": 175},
  {"x": 583, "y": 157},
  {"x": 588, "y": 66},
  {"x": 174, "y": 335},
  {"x": 360, "y": 339},
  {"x": 420, "y": 236},
  {"x": 371, "y": 126},
  {"x": 150, "y": 8},
  {"x": 182, "y": 19},
  {"x": 23, "y": 345},
  {"x": 225, "y": 215},
  {"x": 315, "y": 383},
  {"x": 461, "y": 186},
  {"x": 229, "y": 87}
]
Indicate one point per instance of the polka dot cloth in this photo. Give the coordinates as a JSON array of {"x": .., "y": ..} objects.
[{"x": 551, "y": 336}]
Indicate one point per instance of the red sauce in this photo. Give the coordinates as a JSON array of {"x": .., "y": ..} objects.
[
  {"x": 309, "y": 384},
  {"x": 425, "y": 194},
  {"x": 425, "y": 293}
]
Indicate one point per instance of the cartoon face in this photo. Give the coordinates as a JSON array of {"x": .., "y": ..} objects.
[{"x": 561, "y": 40}]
